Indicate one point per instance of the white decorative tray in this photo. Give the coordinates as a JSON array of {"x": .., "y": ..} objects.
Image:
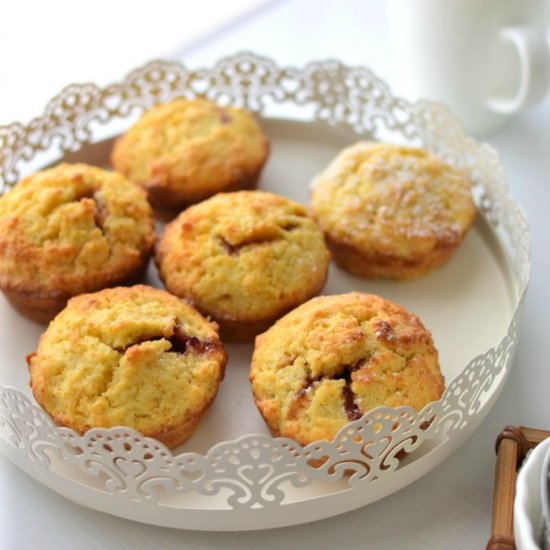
[{"x": 232, "y": 475}]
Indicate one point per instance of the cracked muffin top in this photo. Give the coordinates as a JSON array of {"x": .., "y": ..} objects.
[
  {"x": 129, "y": 356},
  {"x": 187, "y": 150},
  {"x": 392, "y": 211},
  {"x": 72, "y": 228},
  {"x": 243, "y": 257},
  {"x": 334, "y": 358}
]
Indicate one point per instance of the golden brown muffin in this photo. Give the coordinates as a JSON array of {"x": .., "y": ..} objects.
[
  {"x": 334, "y": 358},
  {"x": 185, "y": 151},
  {"x": 128, "y": 356},
  {"x": 391, "y": 211},
  {"x": 244, "y": 259},
  {"x": 67, "y": 230}
]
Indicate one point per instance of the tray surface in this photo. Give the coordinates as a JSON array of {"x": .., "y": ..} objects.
[{"x": 470, "y": 305}]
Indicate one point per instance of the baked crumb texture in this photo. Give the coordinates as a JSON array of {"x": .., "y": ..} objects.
[
  {"x": 335, "y": 358},
  {"x": 185, "y": 151},
  {"x": 128, "y": 356},
  {"x": 391, "y": 211},
  {"x": 71, "y": 229},
  {"x": 243, "y": 258}
]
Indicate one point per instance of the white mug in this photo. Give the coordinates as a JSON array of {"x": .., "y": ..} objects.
[{"x": 485, "y": 59}]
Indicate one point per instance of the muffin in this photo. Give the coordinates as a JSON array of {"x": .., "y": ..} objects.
[
  {"x": 128, "y": 356},
  {"x": 244, "y": 259},
  {"x": 391, "y": 211},
  {"x": 68, "y": 230},
  {"x": 334, "y": 358},
  {"x": 185, "y": 151}
]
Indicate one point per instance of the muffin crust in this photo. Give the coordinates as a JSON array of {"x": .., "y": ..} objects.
[
  {"x": 67, "y": 230},
  {"x": 185, "y": 151},
  {"x": 244, "y": 259},
  {"x": 128, "y": 356},
  {"x": 334, "y": 358},
  {"x": 392, "y": 211}
]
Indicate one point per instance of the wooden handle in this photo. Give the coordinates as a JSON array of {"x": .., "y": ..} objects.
[
  {"x": 501, "y": 543},
  {"x": 534, "y": 436},
  {"x": 511, "y": 446}
]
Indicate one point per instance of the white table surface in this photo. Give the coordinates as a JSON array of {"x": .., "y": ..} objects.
[{"x": 449, "y": 508}]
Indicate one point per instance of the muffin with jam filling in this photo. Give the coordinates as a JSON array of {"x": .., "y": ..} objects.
[
  {"x": 71, "y": 229},
  {"x": 244, "y": 259},
  {"x": 128, "y": 356},
  {"x": 334, "y": 358}
]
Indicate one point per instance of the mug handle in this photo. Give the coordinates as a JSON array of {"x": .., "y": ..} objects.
[{"x": 534, "y": 58}]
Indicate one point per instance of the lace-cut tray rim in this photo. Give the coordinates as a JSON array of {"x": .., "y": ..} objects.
[{"x": 444, "y": 441}]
